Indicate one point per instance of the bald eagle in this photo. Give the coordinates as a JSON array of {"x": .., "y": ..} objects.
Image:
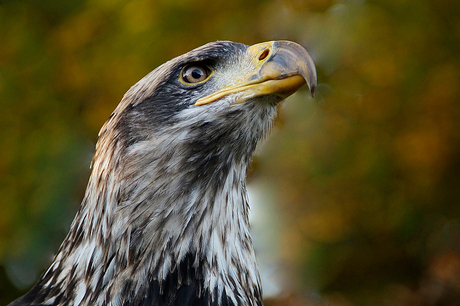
[{"x": 164, "y": 220}]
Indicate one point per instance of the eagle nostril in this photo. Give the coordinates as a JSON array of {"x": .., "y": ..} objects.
[{"x": 264, "y": 54}]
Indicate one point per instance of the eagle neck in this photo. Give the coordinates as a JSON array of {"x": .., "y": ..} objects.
[{"x": 163, "y": 226}]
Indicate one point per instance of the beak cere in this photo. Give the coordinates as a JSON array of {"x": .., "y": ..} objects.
[{"x": 280, "y": 68}]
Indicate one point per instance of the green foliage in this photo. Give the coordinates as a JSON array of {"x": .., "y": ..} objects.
[{"x": 366, "y": 175}]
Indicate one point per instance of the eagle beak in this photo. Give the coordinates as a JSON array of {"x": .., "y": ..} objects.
[{"x": 280, "y": 68}]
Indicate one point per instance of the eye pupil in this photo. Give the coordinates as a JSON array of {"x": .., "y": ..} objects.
[{"x": 194, "y": 74}]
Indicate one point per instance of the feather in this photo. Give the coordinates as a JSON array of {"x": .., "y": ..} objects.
[{"x": 164, "y": 220}]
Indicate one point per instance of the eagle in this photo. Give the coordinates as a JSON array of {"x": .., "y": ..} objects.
[{"x": 164, "y": 219}]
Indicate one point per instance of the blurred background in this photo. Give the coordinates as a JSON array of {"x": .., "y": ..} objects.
[{"x": 356, "y": 194}]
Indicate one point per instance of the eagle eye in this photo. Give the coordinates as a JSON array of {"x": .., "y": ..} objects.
[{"x": 194, "y": 74}]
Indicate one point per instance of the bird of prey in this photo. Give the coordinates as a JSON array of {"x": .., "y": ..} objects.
[{"x": 164, "y": 220}]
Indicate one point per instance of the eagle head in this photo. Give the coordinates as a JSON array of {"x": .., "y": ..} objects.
[{"x": 164, "y": 220}]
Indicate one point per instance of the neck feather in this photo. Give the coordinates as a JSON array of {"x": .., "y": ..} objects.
[{"x": 167, "y": 226}]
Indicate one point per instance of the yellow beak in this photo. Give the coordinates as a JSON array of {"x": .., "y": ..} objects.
[{"x": 281, "y": 68}]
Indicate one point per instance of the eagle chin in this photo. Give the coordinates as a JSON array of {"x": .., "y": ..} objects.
[{"x": 164, "y": 220}]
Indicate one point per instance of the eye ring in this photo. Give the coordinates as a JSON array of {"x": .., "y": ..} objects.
[{"x": 194, "y": 74}]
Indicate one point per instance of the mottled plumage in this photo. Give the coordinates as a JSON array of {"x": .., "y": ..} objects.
[{"x": 164, "y": 220}]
